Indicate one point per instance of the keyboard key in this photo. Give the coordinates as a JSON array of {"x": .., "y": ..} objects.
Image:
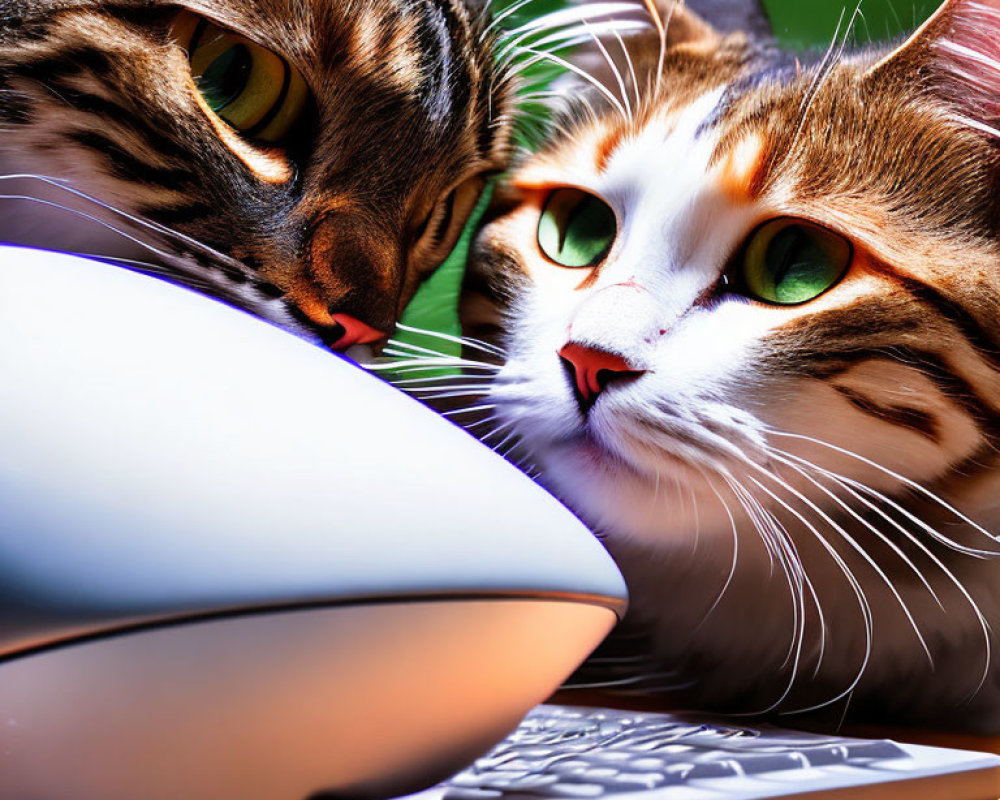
[
  {"x": 631, "y": 781},
  {"x": 472, "y": 794},
  {"x": 574, "y": 790}
]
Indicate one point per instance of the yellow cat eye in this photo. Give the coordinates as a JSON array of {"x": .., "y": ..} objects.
[{"x": 252, "y": 89}]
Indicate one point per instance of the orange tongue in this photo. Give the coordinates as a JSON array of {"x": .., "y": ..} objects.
[{"x": 355, "y": 332}]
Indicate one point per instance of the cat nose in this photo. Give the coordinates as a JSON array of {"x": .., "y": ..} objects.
[
  {"x": 348, "y": 331},
  {"x": 593, "y": 369}
]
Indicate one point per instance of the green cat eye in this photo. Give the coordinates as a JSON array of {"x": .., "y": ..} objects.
[
  {"x": 226, "y": 78},
  {"x": 790, "y": 261},
  {"x": 576, "y": 228},
  {"x": 252, "y": 89}
]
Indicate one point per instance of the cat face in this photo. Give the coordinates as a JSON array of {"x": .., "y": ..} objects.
[
  {"x": 308, "y": 161},
  {"x": 738, "y": 276}
]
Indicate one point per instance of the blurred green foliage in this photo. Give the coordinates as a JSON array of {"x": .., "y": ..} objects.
[{"x": 803, "y": 24}]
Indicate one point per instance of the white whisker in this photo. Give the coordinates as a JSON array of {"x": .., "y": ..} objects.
[
  {"x": 149, "y": 224},
  {"x": 915, "y": 487},
  {"x": 513, "y": 8},
  {"x": 476, "y": 344},
  {"x": 661, "y": 31},
  {"x": 88, "y": 217},
  {"x": 736, "y": 549},
  {"x": 411, "y": 366},
  {"x": 855, "y": 489},
  {"x": 791, "y": 565},
  {"x": 856, "y": 587},
  {"x": 407, "y": 358},
  {"x": 574, "y": 15},
  {"x": 469, "y": 410},
  {"x": 631, "y": 68},
  {"x": 614, "y": 71},
  {"x": 473, "y": 425},
  {"x": 482, "y": 382},
  {"x": 864, "y": 554},
  {"x": 586, "y": 76},
  {"x": 430, "y": 394},
  {"x": 777, "y": 454},
  {"x": 396, "y": 343}
]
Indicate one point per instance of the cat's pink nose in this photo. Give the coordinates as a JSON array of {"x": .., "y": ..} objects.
[
  {"x": 354, "y": 332},
  {"x": 594, "y": 368}
]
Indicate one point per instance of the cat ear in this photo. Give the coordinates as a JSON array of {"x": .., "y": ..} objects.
[{"x": 957, "y": 53}]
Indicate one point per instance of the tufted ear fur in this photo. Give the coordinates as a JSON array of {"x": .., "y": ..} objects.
[{"x": 957, "y": 54}]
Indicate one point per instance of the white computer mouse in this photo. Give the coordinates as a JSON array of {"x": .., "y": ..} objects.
[{"x": 233, "y": 565}]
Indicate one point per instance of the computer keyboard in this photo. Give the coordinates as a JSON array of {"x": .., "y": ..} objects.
[{"x": 588, "y": 753}]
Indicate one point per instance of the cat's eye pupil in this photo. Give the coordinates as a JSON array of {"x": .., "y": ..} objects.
[
  {"x": 789, "y": 261},
  {"x": 783, "y": 251},
  {"x": 225, "y": 78},
  {"x": 576, "y": 228}
]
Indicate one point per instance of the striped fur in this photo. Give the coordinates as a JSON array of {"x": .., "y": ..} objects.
[
  {"x": 804, "y": 499},
  {"x": 99, "y": 112}
]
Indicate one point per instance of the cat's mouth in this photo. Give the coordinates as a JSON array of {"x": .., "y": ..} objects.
[{"x": 612, "y": 442}]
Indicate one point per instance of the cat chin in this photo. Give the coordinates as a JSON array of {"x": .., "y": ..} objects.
[{"x": 615, "y": 498}]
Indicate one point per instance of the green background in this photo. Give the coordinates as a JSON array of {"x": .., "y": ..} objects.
[
  {"x": 797, "y": 24},
  {"x": 812, "y": 23}
]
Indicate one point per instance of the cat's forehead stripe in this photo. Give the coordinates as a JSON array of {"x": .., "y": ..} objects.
[
  {"x": 437, "y": 47},
  {"x": 374, "y": 37},
  {"x": 606, "y": 148}
]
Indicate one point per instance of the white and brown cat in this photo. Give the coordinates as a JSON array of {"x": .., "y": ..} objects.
[{"x": 750, "y": 309}]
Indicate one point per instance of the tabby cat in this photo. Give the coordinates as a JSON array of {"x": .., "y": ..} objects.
[
  {"x": 750, "y": 314},
  {"x": 306, "y": 160}
]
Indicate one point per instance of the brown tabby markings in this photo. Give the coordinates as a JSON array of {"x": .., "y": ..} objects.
[{"x": 407, "y": 106}]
